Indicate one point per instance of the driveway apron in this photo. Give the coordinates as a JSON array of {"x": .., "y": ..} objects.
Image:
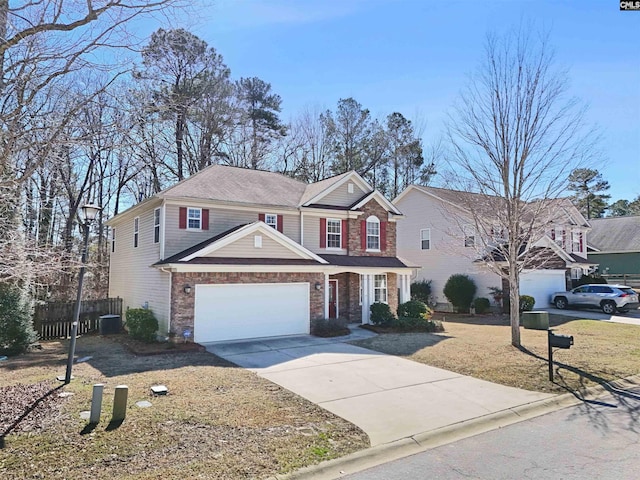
[{"x": 388, "y": 397}]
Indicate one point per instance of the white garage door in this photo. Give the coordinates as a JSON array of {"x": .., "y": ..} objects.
[
  {"x": 238, "y": 311},
  {"x": 540, "y": 284}
]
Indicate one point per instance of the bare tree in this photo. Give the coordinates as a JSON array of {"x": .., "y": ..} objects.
[
  {"x": 41, "y": 44},
  {"x": 515, "y": 136}
]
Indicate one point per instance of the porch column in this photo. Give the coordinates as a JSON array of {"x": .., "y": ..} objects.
[
  {"x": 326, "y": 295},
  {"x": 364, "y": 279},
  {"x": 405, "y": 288}
]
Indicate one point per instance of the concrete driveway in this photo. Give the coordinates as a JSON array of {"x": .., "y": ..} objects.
[
  {"x": 388, "y": 397},
  {"x": 632, "y": 317}
]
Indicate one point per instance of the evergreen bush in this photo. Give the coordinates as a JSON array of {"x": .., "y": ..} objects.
[
  {"x": 460, "y": 290},
  {"x": 142, "y": 324},
  {"x": 16, "y": 326}
]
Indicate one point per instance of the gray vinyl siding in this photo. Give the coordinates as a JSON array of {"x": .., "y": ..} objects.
[
  {"x": 220, "y": 220},
  {"x": 311, "y": 227},
  {"x": 244, "y": 248},
  {"x": 447, "y": 255},
  {"x": 131, "y": 276},
  {"x": 341, "y": 196}
]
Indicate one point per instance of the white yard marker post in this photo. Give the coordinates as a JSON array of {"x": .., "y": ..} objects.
[
  {"x": 96, "y": 403},
  {"x": 120, "y": 403}
]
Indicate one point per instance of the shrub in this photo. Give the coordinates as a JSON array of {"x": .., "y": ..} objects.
[
  {"x": 415, "y": 309},
  {"x": 587, "y": 279},
  {"x": 497, "y": 293},
  {"x": 329, "y": 327},
  {"x": 482, "y": 305},
  {"x": 526, "y": 303},
  {"x": 460, "y": 290},
  {"x": 16, "y": 329},
  {"x": 381, "y": 314},
  {"x": 419, "y": 324},
  {"x": 142, "y": 324},
  {"x": 421, "y": 291}
]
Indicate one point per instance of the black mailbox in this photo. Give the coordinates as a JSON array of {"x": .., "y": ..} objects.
[{"x": 560, "y": 341}]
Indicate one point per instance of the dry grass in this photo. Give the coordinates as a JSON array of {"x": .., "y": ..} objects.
[
  {"x": 481, "y": 347},
  {"x": 218, "y": 421}
]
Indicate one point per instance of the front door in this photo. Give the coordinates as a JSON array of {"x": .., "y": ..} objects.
[{"x": 333, "y": 299}]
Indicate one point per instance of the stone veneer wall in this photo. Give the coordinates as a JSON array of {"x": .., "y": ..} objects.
[
  {"x": 354, "y": 227},
  {"x": 182, "y": 304}
]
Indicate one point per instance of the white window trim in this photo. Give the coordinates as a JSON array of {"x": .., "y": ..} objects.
[
  {"x": 275, "y": 216},
  {"x": 575, "y": 241},
  {"x": 113, "y": 239},
  {"x": 360, "y": 288},
  {"x": 194, "y": 229},
  {"x": 333, "y": 233},
  {"x": 386, "y": 287},
  {"x": 469, "y": 231},
  {"x": 136, "y": 232},
  {"x": 372, "y": 219},
  {"x": 423, "y": 239},
  {"x": 156, "y": 226}
]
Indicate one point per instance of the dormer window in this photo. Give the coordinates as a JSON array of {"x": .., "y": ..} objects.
[{"x": 373, "y": 233}]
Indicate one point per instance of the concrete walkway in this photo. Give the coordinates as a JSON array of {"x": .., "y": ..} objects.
[{"x": 388, "y": 397}]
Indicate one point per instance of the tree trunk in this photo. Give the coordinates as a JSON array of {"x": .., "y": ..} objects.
[
  {"x": 514, "y": 302},
  {"x": 180, "y": 120}
]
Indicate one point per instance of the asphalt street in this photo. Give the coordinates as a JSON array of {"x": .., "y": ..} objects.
[{"x": 596, "y": 439}]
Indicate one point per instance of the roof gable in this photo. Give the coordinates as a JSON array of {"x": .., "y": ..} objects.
[
  {"x": 378, "y": 197},
  {"x": 316, "y": 192},
  {"x": 219, "y": 243}
]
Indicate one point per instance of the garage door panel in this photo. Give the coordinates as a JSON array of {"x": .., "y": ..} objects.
[
  {"x": 238, "y": 311},
  {"x": 541, "y": 285}
]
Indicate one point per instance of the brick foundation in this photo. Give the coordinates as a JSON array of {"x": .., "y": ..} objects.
[{"x": 182, "y": 304}]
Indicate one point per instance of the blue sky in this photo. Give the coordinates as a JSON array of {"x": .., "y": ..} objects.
[{"x": 413, "y": 56}]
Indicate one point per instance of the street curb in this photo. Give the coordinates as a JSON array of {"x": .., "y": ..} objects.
[{"x": 373, "y": 456}]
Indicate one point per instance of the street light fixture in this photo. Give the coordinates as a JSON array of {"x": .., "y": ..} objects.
[{"x": 89, "y": 213}]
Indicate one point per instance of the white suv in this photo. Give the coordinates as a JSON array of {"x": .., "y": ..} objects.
[{"x": 610, "y": 298}]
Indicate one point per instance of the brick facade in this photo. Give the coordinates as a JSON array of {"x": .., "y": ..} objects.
[
  {"x": 182, "y": 304},
  {"x": 349, "y": 307},
  {"x": 355, "y": 231}
]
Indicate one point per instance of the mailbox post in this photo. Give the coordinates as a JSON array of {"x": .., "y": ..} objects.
[{"x": 558, "y": 341}]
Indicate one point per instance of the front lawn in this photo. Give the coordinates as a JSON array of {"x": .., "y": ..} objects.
[
  {"x": 481, "y": 347},
  {"x": 218, "y": 421}
]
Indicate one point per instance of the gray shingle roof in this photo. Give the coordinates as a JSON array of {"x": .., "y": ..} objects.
[
  {"x": 239, "y": 185},
  {"x": 558, "y": 210},
  {"x": 615, "y": 234}
]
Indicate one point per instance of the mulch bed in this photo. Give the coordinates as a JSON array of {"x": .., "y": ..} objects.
[
  {"x": 157, "y": 348},
  {"x": 26, "y": 408}
]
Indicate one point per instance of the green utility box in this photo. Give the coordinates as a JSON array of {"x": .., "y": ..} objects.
[{"x": 535, "y": 320}]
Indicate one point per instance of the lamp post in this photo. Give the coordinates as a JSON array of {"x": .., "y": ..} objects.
[{"x": 89, "y": 213}]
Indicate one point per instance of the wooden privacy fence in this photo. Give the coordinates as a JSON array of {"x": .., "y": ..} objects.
[
  {"x": 629, "y": 279},
  {"x": 53, "y": 320}
]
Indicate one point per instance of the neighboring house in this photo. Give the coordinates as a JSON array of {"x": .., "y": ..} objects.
[
  {"x": 614, "y": 244},
  {"x": 439, "y": 235},
  {"x": 232, "y": 253}
]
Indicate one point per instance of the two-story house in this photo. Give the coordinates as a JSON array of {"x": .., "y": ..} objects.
[
  {"x": 232, "y": 253},
  {"x": 439, "y": 235}
]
